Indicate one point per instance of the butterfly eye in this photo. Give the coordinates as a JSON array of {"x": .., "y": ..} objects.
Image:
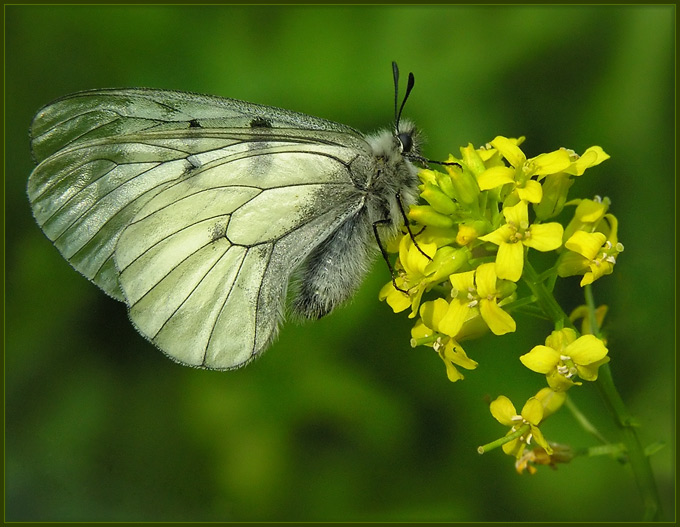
[{"x": 405, "y": 141}]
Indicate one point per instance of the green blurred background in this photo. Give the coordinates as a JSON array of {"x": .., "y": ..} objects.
[{"x": 341, "y": 419}]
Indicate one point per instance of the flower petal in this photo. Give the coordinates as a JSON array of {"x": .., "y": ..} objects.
[
  {"x": 590, "y": 211},
  {"x": 499, "y": 321},
  {"x": 589, "y": 372},
  {"x": 586, "y": 350},
  {"x": 559, "y": 382},
  {"x": 514, "y": 447},
  {"x": 451, "y": 322},
  {"x": 495, "y": 177},
  {"x": 415, "y": 261},
  {"x": 551, "y": 163},
  {"x": 541, "y": 359},
  {"x": 545, "y": 236},
  {"x": 560, "y": 339},
  {"x": 540, "y": 440},
  {"x": 509, "y": 151},
  {"x": 485, "y": 279},
  {"x": 533, "y": 411},
  {"x": 456, "y": 354},
  {"x": 517, "y": 215},
  {"x": 463, "y": 281},
  {"x": 532, "y": 191},
  {"x": 452, "y": 372},
  {"x": 503, "y": 410},
  {"x": 586, "y": 244},
  {"x": 421, "y": 331},
  {"x": 396, "y": 299},
  {"x": 510, "y": 261},
  {"x": 500, "y": 235},
  {"x": 591, "y": 157},
  {"x": 431, "y": 312}
]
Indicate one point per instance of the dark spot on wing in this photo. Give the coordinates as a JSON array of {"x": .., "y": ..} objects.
[
  {"x": 193, "y": 161},
  {"x": 260, "y": 122},
  {"x": 192, "y": 164},
  {"x": 194, "y": 124},
  {"x": 217, "y": 231}
]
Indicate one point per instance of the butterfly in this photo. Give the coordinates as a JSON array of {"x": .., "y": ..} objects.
[{"x": 198, "y": 212}]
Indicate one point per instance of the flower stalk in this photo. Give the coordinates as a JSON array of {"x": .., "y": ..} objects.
[{"x": 477, "y": 228}]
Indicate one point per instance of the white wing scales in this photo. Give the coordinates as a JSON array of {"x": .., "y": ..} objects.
[
  {"x": 96, "y": 114},
  {"x": 205, "y": 206},
  {"x": 83, "y": 198}
]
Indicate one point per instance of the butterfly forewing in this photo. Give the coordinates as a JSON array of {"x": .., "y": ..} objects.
[{"x": 194, "y": 210}]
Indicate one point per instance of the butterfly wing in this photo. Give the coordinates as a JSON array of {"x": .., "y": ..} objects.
[{"x": 193, "y": 210}]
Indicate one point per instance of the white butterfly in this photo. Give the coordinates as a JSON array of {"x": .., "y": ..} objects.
[{"x": 196, "y": 211}]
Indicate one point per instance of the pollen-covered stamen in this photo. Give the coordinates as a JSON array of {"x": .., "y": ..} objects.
[
  {"x": 608, "y": 254},
  {"x": 566, "y": 368},
  {"x": 527, "y": 170},
  {"x": 516, "y": 235},
  {"x": 472, "y": 297},
  {"x": 437, "y": 344},
  {"x": 521, "y": 423}
]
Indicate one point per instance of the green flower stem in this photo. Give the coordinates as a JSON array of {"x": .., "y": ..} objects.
[
  {"x": 505, "y": 439},
  {"x": 584, "y": 421},
  {"x": 545, "y": 297},
  {"x": 639, "y": 462},
  {"x": 617, "y": 451}
]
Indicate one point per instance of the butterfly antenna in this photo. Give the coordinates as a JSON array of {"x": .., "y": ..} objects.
[
  {"x": 409, "y": 86},
  {"x": 445, "y": 163},
  {"x": 395, "y": 73}
]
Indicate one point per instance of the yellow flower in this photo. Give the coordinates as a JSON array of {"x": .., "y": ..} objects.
[
  {"x": 565, "y": 356},
  {"x": 523, "y": 170},
  {"x": 517, "y": 233},
  {"x": 412, "y": 264},
  {"x": 556, "y": 185},
  {"x": 591, "y": 254},
  {"x": 418, "y": 272},
  {"x": 539, "y": 456},
  {"x": 427, "y": 331},
  {"x": 454, "y": 355},
  {"x": 476, "y": 293},
  {"x": 587, "y": 216},
  {"x": 526, "y": 422},
  {"x": 593, "y": 156}
]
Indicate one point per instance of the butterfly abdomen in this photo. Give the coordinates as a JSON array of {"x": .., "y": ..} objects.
[{"x": 334, "y": 270}]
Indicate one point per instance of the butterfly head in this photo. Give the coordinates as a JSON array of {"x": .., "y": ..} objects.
[{"x": 408, "y": 139}]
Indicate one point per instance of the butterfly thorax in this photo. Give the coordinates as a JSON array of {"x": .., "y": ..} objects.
[{"x": 394, "y": 182}]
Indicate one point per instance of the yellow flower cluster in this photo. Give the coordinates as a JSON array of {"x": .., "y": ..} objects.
[{"x": 459, "y": 275}]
